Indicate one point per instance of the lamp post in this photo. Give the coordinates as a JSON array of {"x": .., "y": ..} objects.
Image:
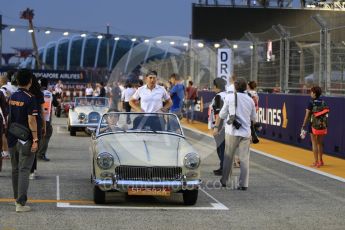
[{"x": 107, "y": 36}]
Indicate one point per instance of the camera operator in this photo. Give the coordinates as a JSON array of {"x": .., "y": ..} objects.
[{"x": 238, "y": 110}]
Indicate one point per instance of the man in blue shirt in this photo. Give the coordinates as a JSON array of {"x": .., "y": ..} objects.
[
  {"x": 22, "y": 110},
  {"x": 177, "y": 95}
]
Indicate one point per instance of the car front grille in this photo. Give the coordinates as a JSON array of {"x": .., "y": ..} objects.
[
  {"x": 94, "y": 117},
  {"x": 148, "y": 173}
]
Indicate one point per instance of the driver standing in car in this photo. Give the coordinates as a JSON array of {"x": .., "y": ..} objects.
[{"x": 151, "y": 96}]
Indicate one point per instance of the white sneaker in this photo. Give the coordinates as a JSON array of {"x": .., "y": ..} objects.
[
  {"x": 21, "y": 208},
  {"x": 32, "y": 176}
]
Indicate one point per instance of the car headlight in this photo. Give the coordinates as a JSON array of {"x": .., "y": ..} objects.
[
  {"x": 105, "y": 160},
  {"x": 191, "y": 160},
  {"x": 81, "y": 116}
]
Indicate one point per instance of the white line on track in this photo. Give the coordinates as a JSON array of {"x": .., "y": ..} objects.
[
  {"x": 214, "y": 206},
  {"x": 57, "y": 188},
  {"x": 280, "y": 159}
]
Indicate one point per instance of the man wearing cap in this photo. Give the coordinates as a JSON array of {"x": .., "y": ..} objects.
[{"x": 151, "y": 96}]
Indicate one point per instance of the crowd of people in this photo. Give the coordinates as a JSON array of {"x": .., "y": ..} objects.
[
  {"x": 26, "y": 116},
  {"x": 26, "y": 119}
]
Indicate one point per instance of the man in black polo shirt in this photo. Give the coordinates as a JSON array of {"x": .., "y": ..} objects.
[{"x": 22, "y": 110}]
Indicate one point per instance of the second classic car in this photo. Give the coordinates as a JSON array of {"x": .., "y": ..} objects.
[{"x": 86, "y": 113}]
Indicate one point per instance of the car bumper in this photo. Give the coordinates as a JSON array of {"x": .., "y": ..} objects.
[{"x": 123, "y": 185}]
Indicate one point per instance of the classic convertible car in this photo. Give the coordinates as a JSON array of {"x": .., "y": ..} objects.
[
  {"x": 86, "y": 113},
  {"x": 143, "y": 154}
]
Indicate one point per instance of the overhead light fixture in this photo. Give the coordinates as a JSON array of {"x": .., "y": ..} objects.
[
  {"x": 235, "y": 46},
  {"x": 117, "y": 38},
  {"x": 47, "y": 32},
  {"x": 30, "y": 31},
  {"x": 201, "y": 45},
  {"x": 99, "y": 36},
  {"x": 65, "y": 33},
  {"x": 185, "y": 44},
  {"x": 147, "y": 41},
  {"x": 13, "y": 29},
  {"x": 159, "y": 41},
  {"x": 133, "y": 39},
  {"x": 83, "y": 35},
  {"x": 216, "y": 45},
  {"x": 172, "y": 43}
]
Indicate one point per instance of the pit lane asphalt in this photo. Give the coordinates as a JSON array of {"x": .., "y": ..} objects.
[{"x": 280, "y": 196}]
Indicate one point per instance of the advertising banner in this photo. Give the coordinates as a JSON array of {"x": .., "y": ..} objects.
[
  {"x": 55, "y": 75},
  {"x": 281, "y": 116}
]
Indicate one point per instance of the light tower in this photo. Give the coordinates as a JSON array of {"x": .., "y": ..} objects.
[{"x": 28, "y": 14}]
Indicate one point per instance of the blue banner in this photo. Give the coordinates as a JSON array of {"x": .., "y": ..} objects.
[{"x": 55, "y": 75}]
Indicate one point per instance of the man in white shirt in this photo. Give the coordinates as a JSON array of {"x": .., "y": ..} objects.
[
  {"x": 151, "y": 96},
  {"x": 238, "y": 133}
]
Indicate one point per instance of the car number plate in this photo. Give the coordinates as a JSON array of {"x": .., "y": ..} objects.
[{"x": 149, "y": 191}]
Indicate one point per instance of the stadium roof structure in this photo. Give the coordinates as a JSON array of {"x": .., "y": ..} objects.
[{"x": 77, "y": 52}]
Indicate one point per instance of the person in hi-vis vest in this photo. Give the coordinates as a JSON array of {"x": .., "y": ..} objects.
[{"x": 49, "y": 101}]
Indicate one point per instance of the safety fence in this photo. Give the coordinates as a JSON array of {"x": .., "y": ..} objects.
[{"x": 281, "y": 59}]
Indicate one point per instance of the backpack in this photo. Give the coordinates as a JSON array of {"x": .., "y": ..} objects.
[
  {"x": 211, "y": 115},
  {"x": 319, "y": 117}
]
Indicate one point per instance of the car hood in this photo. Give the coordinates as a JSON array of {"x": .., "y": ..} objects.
[
  {"x": 142, "y": 149},
  {"x": 89, "y": 109}
]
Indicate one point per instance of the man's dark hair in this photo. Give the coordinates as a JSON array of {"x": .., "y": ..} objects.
[
  {"x": 102, "y": 84},
  {"x": 317, "y": 90},
  {"x": 151, "y": 72},
  {"x": 220, "y": 83},
  {"x": 44, "y": 82},
  {"x": 175, "y": 76},
  {"x": 24, "y": 76},
  {"x": 190, "y": 82},
  {"x": 241, "y": 85}
]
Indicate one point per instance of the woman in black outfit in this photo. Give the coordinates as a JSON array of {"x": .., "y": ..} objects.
[{"x": 35, "y": 89}]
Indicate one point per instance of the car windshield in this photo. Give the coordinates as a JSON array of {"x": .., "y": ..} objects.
[
  {"x": 94, "y": 101},
  {"x": 139, "y": 122}
]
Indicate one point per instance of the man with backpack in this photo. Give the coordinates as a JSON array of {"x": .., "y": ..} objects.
[
  {"x": 316, "y": 117},
  {"x": 218, "y": 130}
]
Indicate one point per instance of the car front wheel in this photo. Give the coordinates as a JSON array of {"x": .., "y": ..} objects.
[
  {"x": 190, "y": 197},
  {"x": 98, "y": 195}
]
